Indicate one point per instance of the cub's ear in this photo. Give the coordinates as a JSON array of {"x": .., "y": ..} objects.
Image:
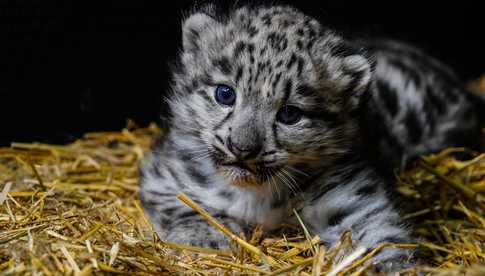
[
  {"x": 358, "y": 71},
  {"x": 345, "y": 71},
  {"x": 193, "y": 30}
]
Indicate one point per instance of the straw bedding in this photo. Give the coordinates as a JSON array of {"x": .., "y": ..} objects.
[{"x": 74, "y": 209}]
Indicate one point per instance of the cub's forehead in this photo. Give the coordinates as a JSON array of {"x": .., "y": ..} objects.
[
  {"x": 266, "y": 51},
  {"x": 280, "y": 27}
]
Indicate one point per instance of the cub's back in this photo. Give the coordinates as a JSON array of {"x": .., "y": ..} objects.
[{"x": 417, "y": 105}]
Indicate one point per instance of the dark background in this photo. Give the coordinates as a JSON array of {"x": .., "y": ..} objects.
[{"x": 67, "y": 67}]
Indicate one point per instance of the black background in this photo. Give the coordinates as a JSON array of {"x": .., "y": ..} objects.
[{"x": 67, "y": 67}]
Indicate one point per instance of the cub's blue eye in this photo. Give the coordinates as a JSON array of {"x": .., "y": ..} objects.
[
  {"x": 288, "y": 115},
  {"x": 225, "y": 95}
]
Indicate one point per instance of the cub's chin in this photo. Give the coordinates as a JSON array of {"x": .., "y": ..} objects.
[{"x": 240, "y": 175}]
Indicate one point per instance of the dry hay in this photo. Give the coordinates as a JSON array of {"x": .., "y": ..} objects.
[{"x": 74, "y": 209}]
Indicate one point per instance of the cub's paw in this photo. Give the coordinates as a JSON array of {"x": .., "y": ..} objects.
[
  {"x": 201, "y": 235},
  {"x": 198, "y": 238},
  {"x": 395, "y": 260}
]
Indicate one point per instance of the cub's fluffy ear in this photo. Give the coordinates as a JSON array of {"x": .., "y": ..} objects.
[
  {"x": 193, "y": 30},
  {"x": 344, "y": 70}
]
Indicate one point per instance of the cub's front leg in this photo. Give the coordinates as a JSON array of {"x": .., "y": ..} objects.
[
  {"x": 174, "y": 221},
  {"x": 355, "y": 200},
  {"x": 191, "y": 229}
]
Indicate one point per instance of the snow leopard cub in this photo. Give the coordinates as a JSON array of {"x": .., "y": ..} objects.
[{"x": 269, "y": 113}]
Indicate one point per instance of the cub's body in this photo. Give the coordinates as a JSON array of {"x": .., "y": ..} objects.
[{"x": 271, "y": 111}]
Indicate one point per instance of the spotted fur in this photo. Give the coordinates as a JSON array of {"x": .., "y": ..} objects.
[
  {"x": 246, "y": 168},
  {"x": 421, "y": 103}
]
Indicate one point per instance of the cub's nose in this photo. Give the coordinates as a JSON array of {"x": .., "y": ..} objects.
[{"x": 244, "y": 151}]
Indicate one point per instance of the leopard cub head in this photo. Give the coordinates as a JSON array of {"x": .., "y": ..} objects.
[{"x": 266, "y": 93}]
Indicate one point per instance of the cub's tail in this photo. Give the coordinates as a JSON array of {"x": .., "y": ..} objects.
[{"x": 478, "y": 101}]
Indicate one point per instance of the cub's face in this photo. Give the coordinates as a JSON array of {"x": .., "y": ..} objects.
[{"x": 267, "y": 93}]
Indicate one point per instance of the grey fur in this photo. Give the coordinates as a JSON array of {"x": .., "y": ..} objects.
[{"x": 246, "y": 168}]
